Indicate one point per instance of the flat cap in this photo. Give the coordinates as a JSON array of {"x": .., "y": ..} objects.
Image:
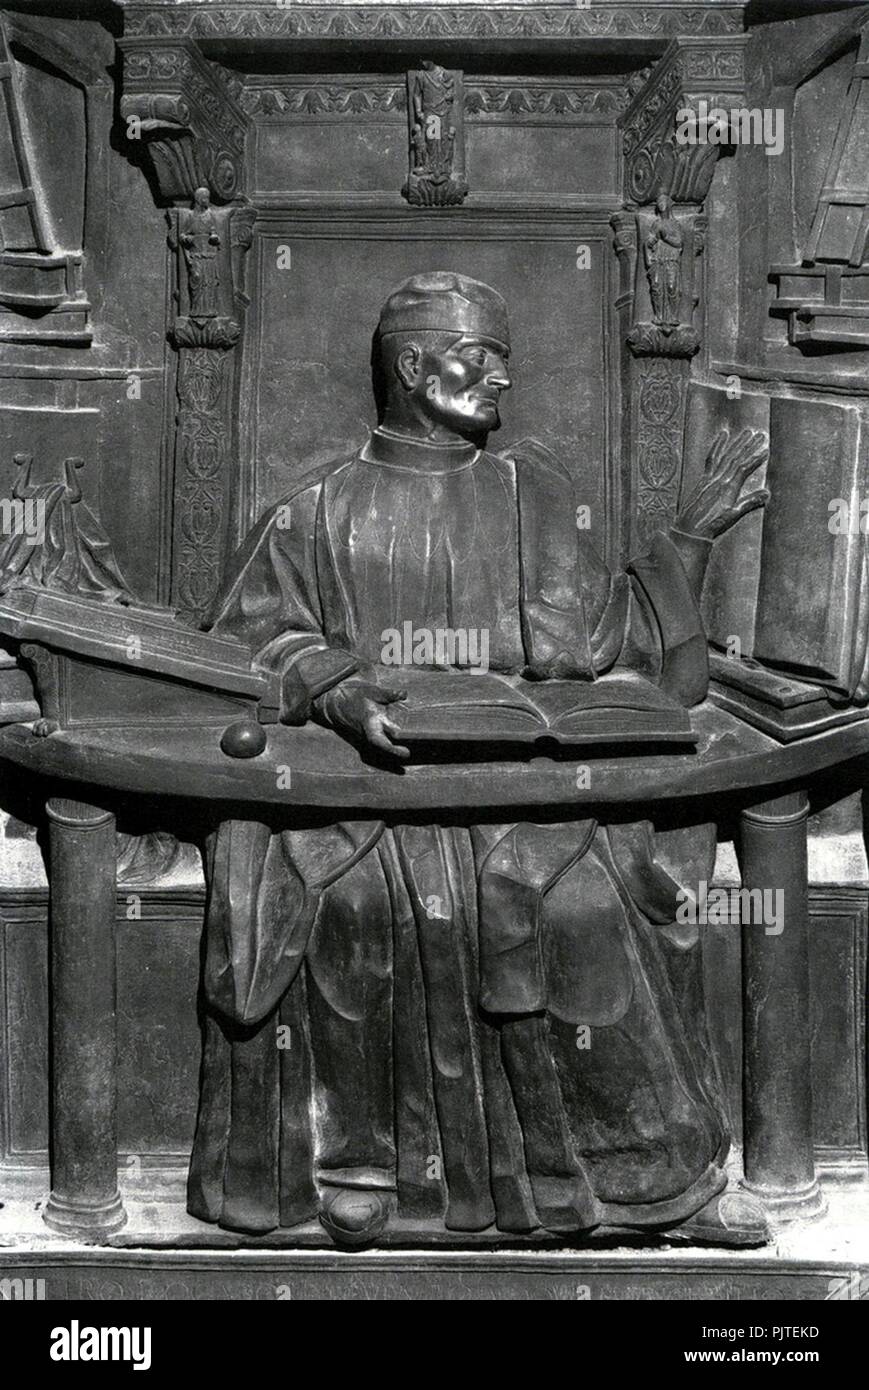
[{"x": 443, "y": 301}]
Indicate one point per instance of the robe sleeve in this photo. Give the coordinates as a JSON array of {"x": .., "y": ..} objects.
[
  {"x": 580, "y": 619},
  {"x": 666, "y": 637},
  {"x": 270, "y": 600}
]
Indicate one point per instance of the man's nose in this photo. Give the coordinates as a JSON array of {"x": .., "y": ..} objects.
[{"x": 500, "y": 377}]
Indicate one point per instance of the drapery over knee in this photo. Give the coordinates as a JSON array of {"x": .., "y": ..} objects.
[{"x": 265, "y": 887}]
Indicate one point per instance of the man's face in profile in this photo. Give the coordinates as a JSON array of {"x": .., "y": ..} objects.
[{"x": 456, "y": 382}]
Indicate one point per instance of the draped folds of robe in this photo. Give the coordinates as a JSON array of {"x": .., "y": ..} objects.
[{"x": 501, "y": 1022}]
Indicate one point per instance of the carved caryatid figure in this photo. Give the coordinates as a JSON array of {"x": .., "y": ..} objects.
[
  {"x": 436, "y": 174},
  {"x": 200, "y": 242},
  {"x": 433, "y": 981},
  {"x": 663, "y": 255},
  {"x": 433, "y": 98}
]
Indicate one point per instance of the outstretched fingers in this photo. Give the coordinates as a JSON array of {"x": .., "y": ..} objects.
[
  {"x": 758, "y": 498},
  {"x": 719, "y": 444}
]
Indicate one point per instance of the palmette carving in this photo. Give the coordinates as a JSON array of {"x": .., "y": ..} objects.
[
  {"x": 418, "y": 22},
  {"x": 512, "y": 100}
]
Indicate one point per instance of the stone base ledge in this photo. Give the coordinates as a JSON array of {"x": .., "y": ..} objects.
[{"x": 280, "y": 1275}]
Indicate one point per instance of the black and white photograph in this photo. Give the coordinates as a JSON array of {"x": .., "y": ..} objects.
[{"x": 434, "y": 667}]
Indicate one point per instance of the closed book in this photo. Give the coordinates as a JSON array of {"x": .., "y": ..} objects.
[{"x": 813, "y": 553}]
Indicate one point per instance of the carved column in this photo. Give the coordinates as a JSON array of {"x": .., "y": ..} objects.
[
  {"x": 659, "y": 239},
  {"x": 84, "y": 1197},
  {"x": 181, "y": 117},
  {"x": 779, "y": 1156}
]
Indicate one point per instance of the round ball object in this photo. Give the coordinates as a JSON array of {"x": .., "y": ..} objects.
[{"x": 244, "y": 739}]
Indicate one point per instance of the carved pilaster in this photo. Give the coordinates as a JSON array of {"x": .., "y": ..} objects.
[
  {"x": 192, "y": 131},
  {"x": 659, "y": 413},
  {"x": 653, "y": 399},
  {"x": 184, "y": 111},
  {"x": 210, "y": 244},
  {"x": 655, "y": 370},
  {"x": 670, "y": 153}
]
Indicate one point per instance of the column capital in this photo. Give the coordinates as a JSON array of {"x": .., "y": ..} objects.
[
  {"x": 184, "y": 111},
  {"x": 656, "y": 159}
]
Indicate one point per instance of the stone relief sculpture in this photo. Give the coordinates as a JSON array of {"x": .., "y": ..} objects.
[
  {"x": 435, "y": 134},
  {"x": 663, "y": 249},
  {"x": 200, "y": 241},
  {"x": 210, "y": 244},
  {"x": 433, "y": 981},
  {"x": 360, "y": 845},
  {"x": 671, "y": 240}
]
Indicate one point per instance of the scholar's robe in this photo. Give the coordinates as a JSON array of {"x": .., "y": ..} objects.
[{"x": 501, "y": 1022}]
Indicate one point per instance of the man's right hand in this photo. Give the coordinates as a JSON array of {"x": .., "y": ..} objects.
[{"x": 361, "y": 708}]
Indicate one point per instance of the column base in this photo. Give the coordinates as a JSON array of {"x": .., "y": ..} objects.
[
  {"x": 84, "y": 1220},
  {"x": 786, "y": 1204}
]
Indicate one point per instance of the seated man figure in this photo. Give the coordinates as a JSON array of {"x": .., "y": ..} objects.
[{"x": 430, "y": 979}]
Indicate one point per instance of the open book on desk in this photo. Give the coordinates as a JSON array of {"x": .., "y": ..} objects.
[{"x": 475, "y": 707}]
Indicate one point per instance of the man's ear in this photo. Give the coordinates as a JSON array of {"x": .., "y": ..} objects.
[{"x": 407, "y": 366}]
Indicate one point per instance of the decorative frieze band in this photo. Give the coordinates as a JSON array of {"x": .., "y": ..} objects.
[
  {"x": 354, "y": 99},
  {"x": 251, "y": 21}
]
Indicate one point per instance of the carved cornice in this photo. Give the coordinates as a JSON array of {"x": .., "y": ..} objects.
[
  {"x": 692, "y": 70},
  {"x": 247, "y": 21},
  {"x": 184, "y": 110}
]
